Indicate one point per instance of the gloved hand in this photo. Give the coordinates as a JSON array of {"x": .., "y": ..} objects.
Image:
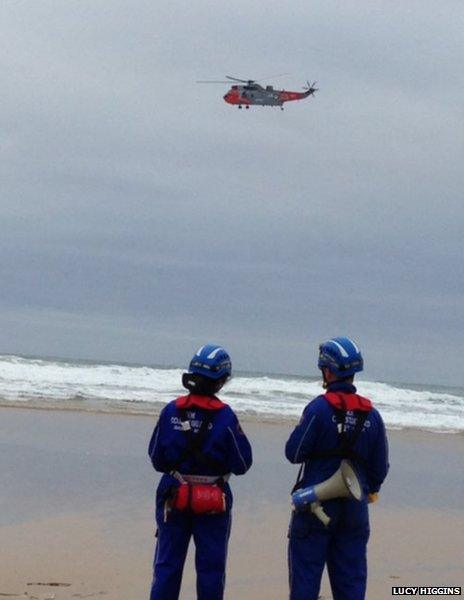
[{"x": 371, "y": 498}]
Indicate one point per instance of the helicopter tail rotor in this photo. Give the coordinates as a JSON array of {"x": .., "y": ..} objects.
[{"x": 310, "y": 88}]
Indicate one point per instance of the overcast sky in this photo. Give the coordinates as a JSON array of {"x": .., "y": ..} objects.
[{"x": 141, "y": 216}]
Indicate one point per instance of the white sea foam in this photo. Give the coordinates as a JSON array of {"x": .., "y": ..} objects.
[{"x": 120, "y": 386}]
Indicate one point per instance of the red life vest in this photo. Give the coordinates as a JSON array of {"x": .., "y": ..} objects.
[
  {"x": 196, "y": 401},
  {"x": 344, "y": 401}
]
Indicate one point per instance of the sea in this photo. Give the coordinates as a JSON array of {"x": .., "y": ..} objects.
[{"x": 111, "y": 387}]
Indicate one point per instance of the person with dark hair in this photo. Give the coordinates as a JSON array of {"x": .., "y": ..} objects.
[
  {"x": 336, "y": 426},
  {"x": 197, "y": 443}
]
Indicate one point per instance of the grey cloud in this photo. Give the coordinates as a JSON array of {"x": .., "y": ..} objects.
[{"x": 140, "y": 203}]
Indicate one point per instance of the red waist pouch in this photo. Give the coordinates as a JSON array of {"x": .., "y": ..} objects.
[{"x": 200, "y": 499}]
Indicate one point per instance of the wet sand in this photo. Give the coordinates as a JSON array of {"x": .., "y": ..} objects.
[{"x": 77, "y": 499}]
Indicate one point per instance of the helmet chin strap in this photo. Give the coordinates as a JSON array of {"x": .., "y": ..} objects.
[{"x": 325, "y": 383}]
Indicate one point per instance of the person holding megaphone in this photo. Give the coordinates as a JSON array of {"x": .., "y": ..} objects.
[{"x": 341, "y": 445}]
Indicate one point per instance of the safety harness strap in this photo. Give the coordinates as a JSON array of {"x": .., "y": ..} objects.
[
  {"x": 346, "y": 441},
  {"x": 195, "y": 442}
]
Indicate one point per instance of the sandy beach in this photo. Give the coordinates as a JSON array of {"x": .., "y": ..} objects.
[{"x": 77, "y": 501}]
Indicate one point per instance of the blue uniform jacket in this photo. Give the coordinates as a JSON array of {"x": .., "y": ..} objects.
[
  {"x": 225, "y": 442},
  {"x": 317, "y": 432}
]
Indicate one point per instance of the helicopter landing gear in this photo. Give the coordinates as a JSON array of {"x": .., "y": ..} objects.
[
  {"x": 240, "y": 106},
  {"x": 281, "y": 108},
  {"x": 247, "y": 107}
]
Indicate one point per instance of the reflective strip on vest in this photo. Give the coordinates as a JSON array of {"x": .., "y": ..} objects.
[{"x": 199, "y": 478}]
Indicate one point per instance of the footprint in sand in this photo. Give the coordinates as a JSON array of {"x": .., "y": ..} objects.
[
  {"x": 89, "y": 595},
  {"x": 51, "y": 584}
]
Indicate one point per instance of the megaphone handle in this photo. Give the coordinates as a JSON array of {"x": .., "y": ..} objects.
[{"x": 317, "y": 509}]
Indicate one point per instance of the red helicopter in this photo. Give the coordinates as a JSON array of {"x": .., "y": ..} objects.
[{"x": 252, "y": 93}]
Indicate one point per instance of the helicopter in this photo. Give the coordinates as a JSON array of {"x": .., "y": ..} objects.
[{"x": 250, "y": 93}]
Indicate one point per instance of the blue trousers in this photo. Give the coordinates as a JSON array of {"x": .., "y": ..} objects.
[
  {"x": 342, "y": 547},
  {"x": 210, "y": 535}
]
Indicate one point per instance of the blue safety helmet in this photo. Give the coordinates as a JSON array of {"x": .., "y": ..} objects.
[
  {"x": 342, "y": 356},
  {"x": 211, "y": 361}
]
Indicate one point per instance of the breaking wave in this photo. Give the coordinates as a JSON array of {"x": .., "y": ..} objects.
[{"x": 63, "y": 384}]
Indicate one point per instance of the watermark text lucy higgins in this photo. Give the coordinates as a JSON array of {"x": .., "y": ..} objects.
[{"x": 422, "y": 590}]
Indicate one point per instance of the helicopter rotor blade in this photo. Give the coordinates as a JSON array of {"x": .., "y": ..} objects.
[
  {"x": 212, "y": 81},
  {"x": 259, "y": 79},
  {"x": 241, "y": 80},
  {"x": 272, "y": 76}
]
